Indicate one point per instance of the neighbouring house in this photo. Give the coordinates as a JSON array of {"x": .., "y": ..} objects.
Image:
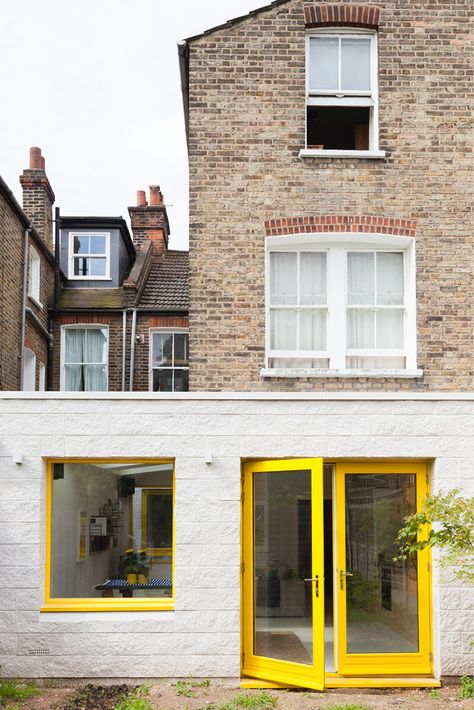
[{"x": 246, "y": 528}]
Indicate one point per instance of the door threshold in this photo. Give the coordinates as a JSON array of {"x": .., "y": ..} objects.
[{"x": 335, "y": 681}]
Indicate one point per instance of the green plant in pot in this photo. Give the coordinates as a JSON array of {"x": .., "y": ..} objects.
[
  {"x": 128, "y": 567},
  {"x": 143, "y": 566}
]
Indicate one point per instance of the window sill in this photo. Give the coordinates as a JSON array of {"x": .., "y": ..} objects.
[
  {"x": 321, "y": 153},
  {"x": 107, "y": 605},
  {"x": 34, "y": 300},
  {"x": 309, "y": 372}
]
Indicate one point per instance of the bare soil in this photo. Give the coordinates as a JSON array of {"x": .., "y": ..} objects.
[{"x": 79, "y": 695}]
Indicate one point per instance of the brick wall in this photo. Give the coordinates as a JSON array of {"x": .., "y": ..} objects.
[{"x": 247, "y": 126}]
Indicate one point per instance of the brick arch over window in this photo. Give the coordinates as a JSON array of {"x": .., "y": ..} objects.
[
  {"x": 316, "y": 15},
  {"x": 340, "y": 223}
]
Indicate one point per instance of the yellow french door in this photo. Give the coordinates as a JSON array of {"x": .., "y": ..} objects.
[
  {"x": 383, "y": 605},
  {"x": 283, "y": 572}
]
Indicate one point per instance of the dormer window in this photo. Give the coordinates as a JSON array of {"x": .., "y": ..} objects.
[
  {"x": 89, "y": 255},
  {"x": 341, "y": 93}
]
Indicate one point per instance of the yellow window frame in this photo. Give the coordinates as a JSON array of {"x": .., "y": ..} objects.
[
  {"x": 56, "y": 604},
  {"x": 384, "y": 663}
]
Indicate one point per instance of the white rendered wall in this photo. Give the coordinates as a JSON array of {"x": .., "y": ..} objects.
[{"x": 202, "y": 636}]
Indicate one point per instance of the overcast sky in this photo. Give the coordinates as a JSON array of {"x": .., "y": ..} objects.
[{"x": 96, "y": 85}]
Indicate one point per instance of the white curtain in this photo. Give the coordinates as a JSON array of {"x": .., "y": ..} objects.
[
  {"x": 389, "y": 279},
  {"x": 73, "y": 359},
  {"x": 95, "y": 376},
  {"x": 283, "y": 278},
  {"x": 283, "y": 330},
  {"x": 313, "y": 280}
]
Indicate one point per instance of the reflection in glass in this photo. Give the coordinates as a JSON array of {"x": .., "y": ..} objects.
[
  {"x": 382, "y": 601},
  {"x": 282, "y": 560}
]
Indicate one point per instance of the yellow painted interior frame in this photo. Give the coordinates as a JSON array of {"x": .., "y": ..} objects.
[
  {"x": 155, "y": 552},
  {"x": 384, "y": 663},
  {"x": 309, "y": 676},
  {"x": 52, "y": 604}
]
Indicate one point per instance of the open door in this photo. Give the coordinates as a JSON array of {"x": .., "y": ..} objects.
[
  {"x": 383, "y": 606},
  {"x": 283, "y": 572}
]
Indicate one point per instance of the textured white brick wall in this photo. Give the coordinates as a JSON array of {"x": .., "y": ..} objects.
[{"x": 202, "y": 636}]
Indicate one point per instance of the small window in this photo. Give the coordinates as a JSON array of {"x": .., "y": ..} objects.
[
  {"x": 333, "y": 306},
  {"x": 169, "y": 361},
  {"x": 341, "y": 99},
  {"x": 111, "y": 532},
  {"x": 84, "y": 359},
  {"x": 34, "y": 275},
  {"x": 29, "y": 370},
  {"x": 89, "y": 256},
  {"x": 42, "y": 377}
]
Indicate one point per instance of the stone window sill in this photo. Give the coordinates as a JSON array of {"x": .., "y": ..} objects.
[
  {"x": 321, "y": 153},
  {"x": 308, "y": 372}
]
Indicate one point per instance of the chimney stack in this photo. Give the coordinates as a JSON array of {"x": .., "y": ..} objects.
[
  {"x": 150, "y": 221},
  {"x": 38, "y": 197}
]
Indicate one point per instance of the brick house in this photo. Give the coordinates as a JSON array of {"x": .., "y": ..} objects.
[{"x": 246, "y": 528}]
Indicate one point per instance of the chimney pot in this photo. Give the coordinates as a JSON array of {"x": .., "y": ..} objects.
[
  {"x": 156, "y": 198},
  {"x": 43, "y": 163},
  {"x": 141, "y": 198},
  {"x": 36, "y": 159}
]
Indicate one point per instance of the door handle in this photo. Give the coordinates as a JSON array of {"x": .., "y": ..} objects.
[
  {"x": 316, "y": 581},
  {"x": 343, "y": 574}
]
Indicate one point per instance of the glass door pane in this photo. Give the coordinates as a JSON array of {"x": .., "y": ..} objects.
[
  {"x": 282, "y": 553},
  {"x": 382, "y": 595}
]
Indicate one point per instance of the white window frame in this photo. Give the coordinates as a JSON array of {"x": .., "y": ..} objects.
[
  {"x": 34, "y": 276},
  {"x": 29, "y": 370},
  {"x": 150, "y": 353},
  {"x": 41, "y": 377},
  {"x": 337, "y": 247},
  {"x": 82, "y": 326},
  {"x": 72, "y": 256},
  {"x": 322, "y": 97}
]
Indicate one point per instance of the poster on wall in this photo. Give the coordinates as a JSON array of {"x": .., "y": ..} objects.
[{"x": 82, "y": 537}]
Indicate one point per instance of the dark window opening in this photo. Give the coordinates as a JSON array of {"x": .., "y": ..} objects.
[{"x": 338, "y": 128}]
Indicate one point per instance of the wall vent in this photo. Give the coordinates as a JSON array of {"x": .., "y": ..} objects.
[{"x": 38, "y": 651}]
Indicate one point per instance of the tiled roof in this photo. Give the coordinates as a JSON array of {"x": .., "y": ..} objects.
[
  {"x": 167, "y": 287},
  {"x": 86, "y": 298}
]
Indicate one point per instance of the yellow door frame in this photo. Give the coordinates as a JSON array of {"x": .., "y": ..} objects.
[
  {"x": 279, "y": 671},
  {"x": 382, "y": 663}
]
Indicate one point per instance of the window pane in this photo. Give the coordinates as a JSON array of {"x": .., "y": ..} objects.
[
  {"x": 313, "y": 330},
  {"x": 389, "y": 278},
  {"x": 283, "y": 330},
  {"x": 375, "y": 363},
  {"x": 73, "y": 378},
  {"x": 283, "y": 278},
  {"x": 81, "y": 266},
  {"x": 360, "y": 268},
  {"x": 390, "y": 329},
  {"x": 181, "y": 380},
  {"x": 323, "y": 63},
  {"x": 81, "y": 245},
  {"x": 106, "y": 541},
  {"x": 95, "y": 378},
  {"x": 162, "y": 380},
  {"x": 97, "y": 245},
  {"x": 181, "y": 349},
  {"x": 313, "y": 278},
  {"x": 97, "y": 267},
  {"x": 74, "y": 344},
  {"x": 360, "y": 329},
  {"x": 162, "y": 349},
  {"x": 355, "y": 64},
  {"x": 95, "y": 345}
]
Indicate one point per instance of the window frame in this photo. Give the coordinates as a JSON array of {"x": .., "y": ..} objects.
[
  {"x": 29, "y": 370},
  {"x": 82, "y": 326},
  {"x": 77, "y": 604},
  {"x": 150, "y": 353},
  {"x": 337, "y": 247},
  {"x": 330, "y": 97},
  {"x": 72, "y": 256},
  {"x": 34, "y": 276}
]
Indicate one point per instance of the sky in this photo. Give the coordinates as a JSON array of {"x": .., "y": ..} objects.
[{"x": 95, "y": 84}]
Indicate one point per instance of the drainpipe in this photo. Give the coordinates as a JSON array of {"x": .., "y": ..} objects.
[
  {"x": 132, "y": 348},
  {"x": 57, "y": 282},
  {"x": 124, "y": 346},
  {"x": 24, "y": 290}
]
